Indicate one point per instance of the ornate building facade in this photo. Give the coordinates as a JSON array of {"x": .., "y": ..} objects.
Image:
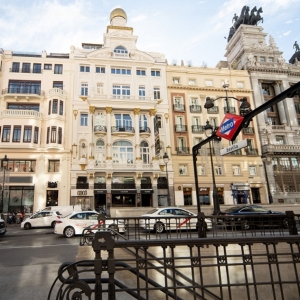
[{"x": 278, "y": 126}]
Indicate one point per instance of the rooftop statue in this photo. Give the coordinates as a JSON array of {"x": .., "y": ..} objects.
[
  {"x": 245, "y": 18},
  {"x": 296, "y": 46}
]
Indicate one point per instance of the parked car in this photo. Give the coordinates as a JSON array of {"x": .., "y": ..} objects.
[
  {"x": 41, "y": 219},
  {"x": 159, "y": 219},
  {"x": 2, "y": 226},
  {"x": 77, "y": 221},
  {"x": 245, "y": 216}
]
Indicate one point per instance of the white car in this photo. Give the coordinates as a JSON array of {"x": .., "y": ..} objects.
[
  {"x": 171, "y": 218},
  {"x": 77, "y": 221},
  {"x": 41, "y": 219}
]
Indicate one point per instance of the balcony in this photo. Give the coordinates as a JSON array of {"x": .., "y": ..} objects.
[
  {"x": 100, "y": 130},
  {"x": 251, "y": 152},
  {"x": 22, "y": 91},
  {"x": 236, "y": 152},
  {"x": 249, "y": 130},
  {"x": 123, "y": 186},
  {"x": 122, "y": 131},
  {"x": 146, "y": 186},
  {"x": 82, "y": 186},
  {"x": 25, "y": 70},
  {"x": 231, "y": 110},
  {"x": 14, "y": 113},
  {"x": 144, "y": 131},
  {"x": 213, "y": 110},
  {"x": 183, "y": 150},
  {"x": 179, "y": 107},
  {"x": 291, "y": 149},
  {"x": 195, "y": 109},
  {"x": 162, "y": 185},
  {"x": 197, "y": 128},
  {"x": 100, "y": 186},
  {"x": 57, "y": 92},
  {"x": 180, "y": 128}
]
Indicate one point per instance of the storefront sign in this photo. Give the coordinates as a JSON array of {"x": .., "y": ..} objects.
[
  {"x": 123, "y": 191},
  {"x": 82, "y": 193},
  {"x": 100, "y": 192},
  {"x": 146, "y": 191}
]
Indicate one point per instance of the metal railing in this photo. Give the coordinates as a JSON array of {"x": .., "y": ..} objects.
[
  {"x": 197, "y": 128},
  {"x": 23, "y": 91},
  {"x": 122, "y": 129},
  {"x": 123, "y": 266},
  {"x": 195, "y": 109}
]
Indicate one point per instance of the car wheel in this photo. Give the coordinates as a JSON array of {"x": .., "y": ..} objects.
[
  {"x": 53, "y": 224},
  {"x": 159, "y": 227},
  {"x": 114, "y": 228},
  {"x": 245, "y": 225},
  {"x": 69, "y": 232},
  {"x": 27, "y": 226},
  {"x": 1, "y": 234}
]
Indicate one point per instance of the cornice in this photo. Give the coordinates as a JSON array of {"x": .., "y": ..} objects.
[
  {"x": 119, "y": 28},
  {"x": 274, "y": 71},
  {"x": 206, "y": 89}
]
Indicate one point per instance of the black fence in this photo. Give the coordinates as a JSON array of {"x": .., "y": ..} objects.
[{"x": 230, "y": 261}]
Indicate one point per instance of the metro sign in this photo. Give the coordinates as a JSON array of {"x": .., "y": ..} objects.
[{"x": 229, "y": 126}]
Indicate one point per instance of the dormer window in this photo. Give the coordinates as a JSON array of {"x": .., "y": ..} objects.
[{"x": 121, "y": 51}]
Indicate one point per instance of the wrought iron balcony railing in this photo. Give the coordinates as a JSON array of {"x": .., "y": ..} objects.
[
  {"x": 82, "y": 185},
  {"x": 145, "y": 129},
  {"x": 236, "y": 152},
  {"x": 180, "y": 128},
  {"x": 122, "y": 129},
  {"x": 100, "y": 128},
  {"x": 146, "y": 186},
  {"x": 121, "y": 186},
  {"x": 251, "y": 152},
  {"x": 213, "y": 110},
  {"x": 231, "y": 109},
  {"x": 23, "y": 91},
  {"x": 100, "y": 186},
  {"x": 197, "y": 128},
  {"x": 183, "y": 150},
  {"x": 248, "y": 130},
  {"x": 195, "y": 109},
  {"x": 179, "y": 107},
  {"x": 25, "y": 70}
]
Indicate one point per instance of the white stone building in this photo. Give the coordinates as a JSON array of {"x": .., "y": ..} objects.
[{"x": 120, "y": 122}]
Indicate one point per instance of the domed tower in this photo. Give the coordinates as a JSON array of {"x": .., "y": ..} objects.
[{"x": 118, "y": 17}]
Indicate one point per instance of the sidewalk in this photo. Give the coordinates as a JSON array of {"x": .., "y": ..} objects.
[{"x": 16, "y": 230}]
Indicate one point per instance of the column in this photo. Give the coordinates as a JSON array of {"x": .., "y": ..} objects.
[
  {"x": 108, "y": 138},
  {"x": 262, "y": 119},
  {"x": 152, "y": 139},
  {"x": 136, "y": 112},
  {"x": 290, "y": 108},
  {"x": 280, "y": 105}
]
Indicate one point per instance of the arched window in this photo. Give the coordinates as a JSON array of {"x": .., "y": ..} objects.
[
  {"x": 144, "y": 148},
  {"x": 122, "y": 153},
  {"x": 121, "y": 51},
  {"x": 100, "y": 152}
]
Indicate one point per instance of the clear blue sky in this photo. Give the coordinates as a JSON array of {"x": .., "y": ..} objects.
[{"x": 190, "y": 30}]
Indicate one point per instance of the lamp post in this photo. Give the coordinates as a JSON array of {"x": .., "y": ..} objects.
[
  {"x": 264, "y": 159},
  {"x": 4, "y": 165},
  {"x": 166, "y": 160},
  {"x": 208, "y": 132}
]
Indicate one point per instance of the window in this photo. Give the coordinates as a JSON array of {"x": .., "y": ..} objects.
[
  {"x": 100, "y": 69},
  {"x": 280, "y": 140},
  {"x": 61, "y": 107},
  {"x": 83, "y": 119},
  {"x": 120, "y": 51},
  {"x": 120, "y": 71},
  {"x": 36, "y": 135},
  {"x": 17, "y": 134},
  {"x": 197, "y": 140},
  {"x": 270, "y": 59},
  {"x": 84, "y": 89},
  {"x": 100, "y": 152},
  {"x": 182, "y": 170},
  {"x": 58, "y": 84},
  {"x": 119, "y": 90},
  {"x": 155, "y": 73},
  {"x": 218, "y": 170},
  {"x": 58, "y": 69},
  {"x": 99, "y": 88},
  {"x": 201, "y": 170},
  {"x": 47, "y": 67},
  {"x": 23, "y": 106},
  {"x": 143, "y": 123},
  {"x": 26, "y": 68},
  {"x": 192, "y": 81},
  {"x": 27, "y": 134},
  {"x": 176, "y": 80},
  {"x": 53, "y": 134},
  {"x": 53, "y": 166},
  {"x": 37, "y": 68},
  {"x": 59, "y": 136},
  {"x": 240, "y": 84},
  {"x": 208, "y": 83},
  {"x": 123, "y": 121},
  {"x": 6, "y": 134},
  {"x": 122, "y": 152},
  {"x": 24, "y": 87},
  {"x": 85, "y": 69},
  {"x": 157, "y": 122},
  {"x": 262, "y": 59},
  {"x": 141, "y": 72},
  {"x": 252, "y": 170},
  {"x": 156, "y": 93},
  {"x": 54, "y": 106},
  {"x": 236, "y": 170},
  {"x": 15, "y": 67},
  {"x": 145, "y": 151},
  {"x": 142, "y": 92}
]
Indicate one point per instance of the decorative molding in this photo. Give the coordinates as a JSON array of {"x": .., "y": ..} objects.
[
  {"x": 167, "y": 117},
  {"x": 208, "y": 89},
  {"x": 108, "y": 158},
  {"x": 75, "y": 113},
  {"x": 83, "y": 98},
  {"x": 108, "y": 110},
  {"x": 136, "y": 111},
  {"x": 152, "y": 112},
  {"x": 119, "y": 28},
  {"x": 92, "y": 109}
]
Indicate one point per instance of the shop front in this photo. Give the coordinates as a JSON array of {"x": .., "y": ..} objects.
[
  {"x": 240, "y": 193},
  {"x": 204, "y": 195},
  {"x": 146, "y": 198},
  {"x": 123, "y": 198},
  {"x": 84, "y": 197}
]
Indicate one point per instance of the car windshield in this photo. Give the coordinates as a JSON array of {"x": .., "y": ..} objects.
[
  {"x": 153, "y": 211},
  {"x": 231, "y": 209}
]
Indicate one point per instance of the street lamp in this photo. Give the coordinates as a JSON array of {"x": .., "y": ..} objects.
[
  {"x": 244, "y": 108},
  {"x": 4, "y": 166},
  {"x": 208, "y": 132},
  {"x": 166, "y": 160},
  {"x": 264, "y": 159}
]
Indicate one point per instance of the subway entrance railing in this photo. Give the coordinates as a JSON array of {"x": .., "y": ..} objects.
[{"x": 254, "y": 263}]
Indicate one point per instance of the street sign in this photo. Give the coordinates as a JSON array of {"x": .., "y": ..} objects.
[
  {"x": 234, "y": 147},
  {"x": 229, "y": 126}
]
